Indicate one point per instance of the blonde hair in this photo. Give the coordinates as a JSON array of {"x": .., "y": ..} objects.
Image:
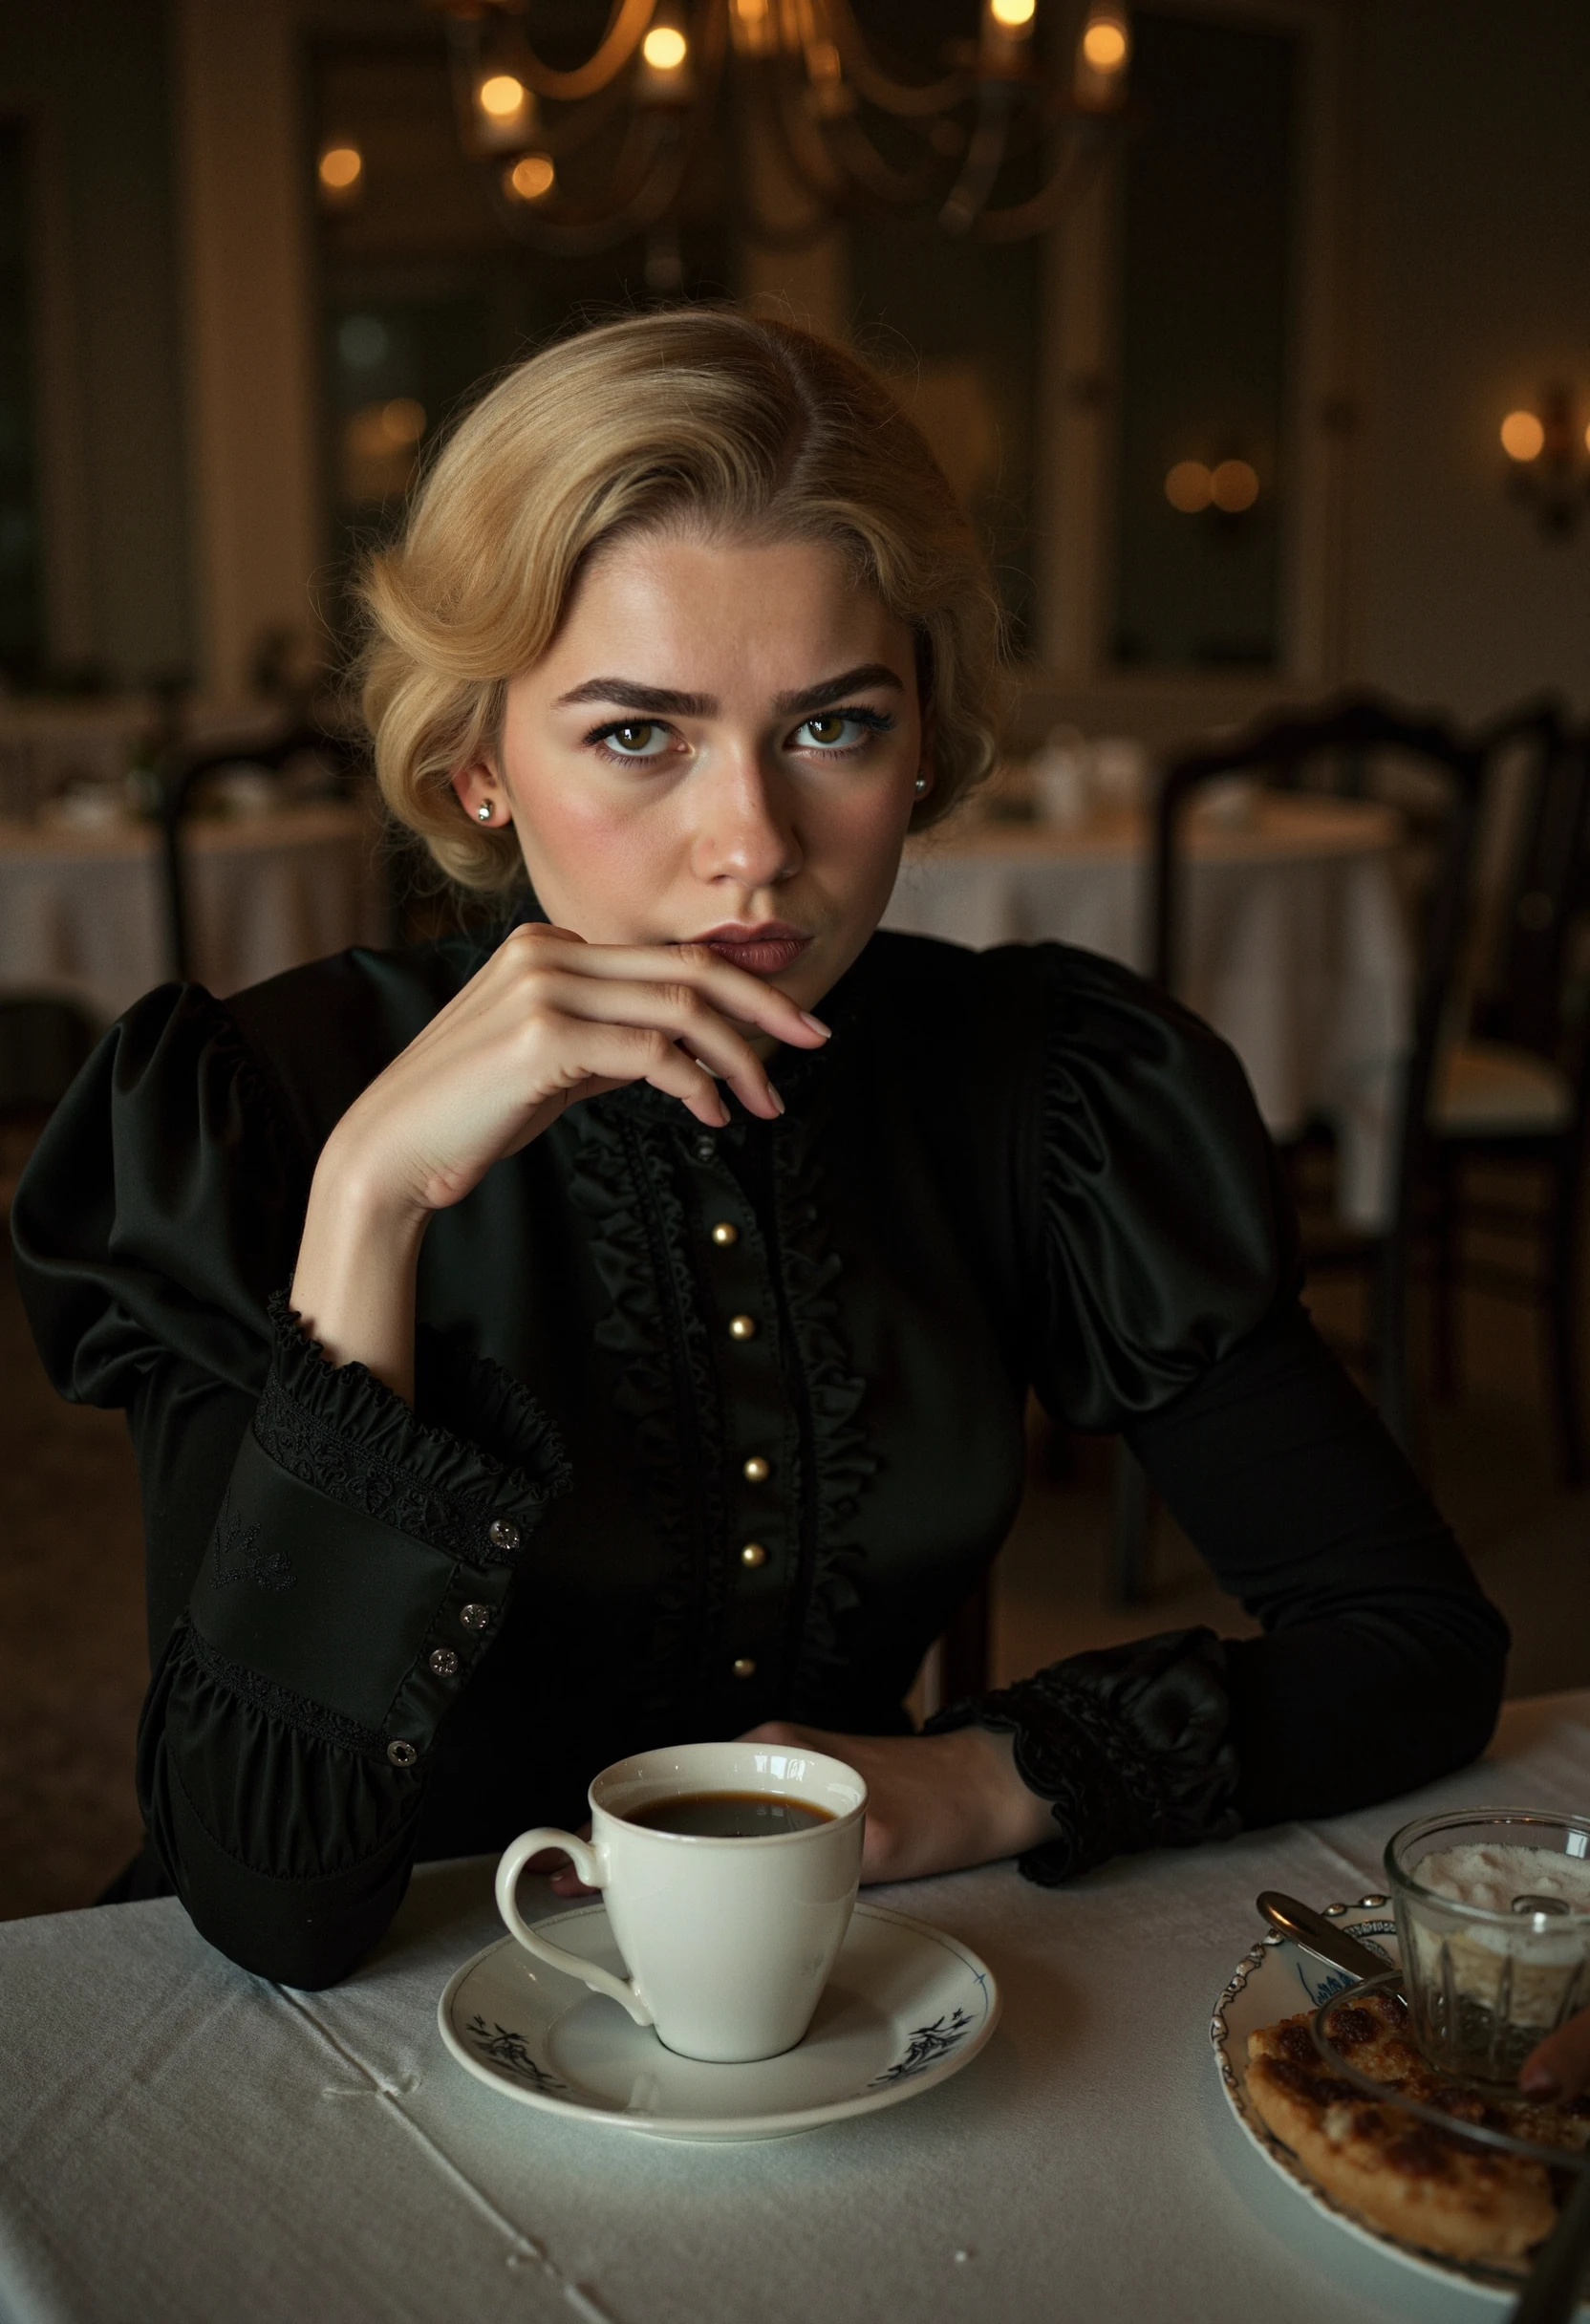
[{"x": 696, "y": 417}]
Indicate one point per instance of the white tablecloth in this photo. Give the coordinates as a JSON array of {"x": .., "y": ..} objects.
[
  {"x": 84, "y": 910},
  {"x": 1294, "y": 946},
  {"x": 181, "y": 2142}
]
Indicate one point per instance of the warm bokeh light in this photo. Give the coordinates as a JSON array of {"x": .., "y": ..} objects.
[
  {"x": 529, "y": 177},
  {"x": 665, "y": 49},
  {"x": 1187, "y": 487},
  {"x": 1013, "y": 15},
  {"x": 1104, "y": 45},
  {"x": 502, "y": 95},
  {"x": 340, "y": 167},
  {"x": 403, "y": 420},
  {"x": 750, "y": 11},
  {"x": 1523, "y": 438},
  {"x": 1234, "y": 485}
]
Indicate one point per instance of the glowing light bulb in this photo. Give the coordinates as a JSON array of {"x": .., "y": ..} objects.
[
  {"x": 1234, "y": 485},
  {"x": 403, "y": 420},
  {"x": 665, "y": 49},
  {"x": 502, "y": 95},
  {"x": 529, "y": 177},
  {"x": 1187, "y": 487},
  {"x": 1105, "y": 45},
  {"x": 1013, "y": 15},
  {"x": 340, "y": 166},
  {"x": 1523, "y": 438}
]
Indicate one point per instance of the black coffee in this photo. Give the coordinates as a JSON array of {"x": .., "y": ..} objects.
[{"x": 728, "y": 1814}]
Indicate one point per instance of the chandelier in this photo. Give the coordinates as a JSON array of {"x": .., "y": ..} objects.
[{"x": 578, "y": 159}]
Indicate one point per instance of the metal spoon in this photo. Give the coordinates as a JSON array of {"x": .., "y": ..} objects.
[{"x": 1322, "y": 1937}]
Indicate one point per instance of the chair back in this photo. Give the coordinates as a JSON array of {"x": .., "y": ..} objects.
[
  {"x": 1521, "y": 987},
  {"x": 182, "y": 772},
  {"x": 1359, "y": 746}
]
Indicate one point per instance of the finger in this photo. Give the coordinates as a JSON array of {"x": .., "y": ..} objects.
[
  {"x": 1559, "y": 2067},
  {"x": 621, "y": 1054},
  {"x": 676, "y": 1009},
  {"x": 734, "y": 991}
]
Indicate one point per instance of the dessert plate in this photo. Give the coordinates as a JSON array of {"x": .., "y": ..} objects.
[
  {"x": 906, "y": 2007},
  {"x": 1275, "y": 1980}
]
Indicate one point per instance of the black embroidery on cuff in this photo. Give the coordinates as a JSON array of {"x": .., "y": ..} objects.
[
  {"x": 235, "y": 1555},
  {"x": 292, "y": 1709},
  {"x": 331, "y": 1462}
]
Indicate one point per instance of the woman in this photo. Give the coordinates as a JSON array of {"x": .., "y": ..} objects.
[{"x": 669, "y": 1272}]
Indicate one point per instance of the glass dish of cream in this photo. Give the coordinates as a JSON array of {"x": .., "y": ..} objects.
[{"x": 1494, "y": 1917}]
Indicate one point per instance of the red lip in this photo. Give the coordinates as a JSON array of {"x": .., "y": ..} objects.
[{"x": 765, "y": 950}]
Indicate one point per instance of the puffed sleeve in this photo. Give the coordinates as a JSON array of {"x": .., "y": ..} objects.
[
  {"x": 326, "y": 1568},
  {"x": 1162, "y": 1257}
]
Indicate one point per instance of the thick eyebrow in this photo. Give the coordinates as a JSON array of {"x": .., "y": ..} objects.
[
  {"x": 627, "y": 696},
  {"x": 662, "y": 701},
  {"x": 835, "y": 689}
]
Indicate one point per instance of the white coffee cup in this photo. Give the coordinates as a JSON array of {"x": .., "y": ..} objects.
[{"x": 728, "y": 1943}]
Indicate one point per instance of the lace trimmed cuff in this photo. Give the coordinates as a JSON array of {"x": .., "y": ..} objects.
[
  {"x": 363, "y": 1558},
  {"x": 1130, "y": 1746}
]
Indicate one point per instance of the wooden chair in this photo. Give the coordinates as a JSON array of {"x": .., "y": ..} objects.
[
  {"x": 182, "y": 770},
  {"x": 1514, "y": 1090},
  {"x": 1350, "y": 749}
]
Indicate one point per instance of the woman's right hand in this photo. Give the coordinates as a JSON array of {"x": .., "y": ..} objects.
[{"x": 548, "y": 1021}]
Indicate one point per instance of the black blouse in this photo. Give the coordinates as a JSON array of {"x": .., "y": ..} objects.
[{"x": 379, "y": 1635}]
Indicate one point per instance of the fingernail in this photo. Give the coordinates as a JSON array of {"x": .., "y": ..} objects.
[
  {"x": 815, "y": 1025},
  {"x": 776, "y": 1098},
  {"x": 1540, "y": 2083}
]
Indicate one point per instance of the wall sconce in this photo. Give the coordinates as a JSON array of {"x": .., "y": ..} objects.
[{"x": 1544, "y": 470}]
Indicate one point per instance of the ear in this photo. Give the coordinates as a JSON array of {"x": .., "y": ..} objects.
[{"x": 477, "y": 785}]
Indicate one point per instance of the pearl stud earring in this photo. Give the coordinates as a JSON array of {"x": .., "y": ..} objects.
[
  {"x": 484, "y": 813},
  {"x": 920, "y": 784}
]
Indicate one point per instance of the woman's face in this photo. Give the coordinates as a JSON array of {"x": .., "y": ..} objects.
[{"x": 721, "y": 746}]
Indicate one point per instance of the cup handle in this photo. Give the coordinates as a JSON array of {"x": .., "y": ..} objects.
[{"x": 591, "y": 1863}]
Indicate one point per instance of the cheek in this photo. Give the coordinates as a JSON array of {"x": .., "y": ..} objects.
[{"x": 587, "y": 856}]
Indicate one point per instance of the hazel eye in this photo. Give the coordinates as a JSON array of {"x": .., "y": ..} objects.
[
  {"x": 832, "y": 730},
  {"x": 637, "y": 739}
]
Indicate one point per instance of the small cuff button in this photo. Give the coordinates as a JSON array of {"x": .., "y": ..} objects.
[
  {"x": 401, "y": 1754},
  {"x": 706, "y": 1147},
  {"x": 757, "y": 1471},
  {"x": 743, "y": 1327},
  {"x": 475, "y": 1616},
  {"x": 726, "y": 1233},
  {"x": 744, "y": 1667},
  {"x": 753, "y": 1554},
  {"x": 444, "y": 1662},
  {"x": 503, "y": 1533}
]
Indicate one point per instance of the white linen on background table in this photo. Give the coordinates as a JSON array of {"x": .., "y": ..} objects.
[
  {"x": 1295, "y": 947},
  {"x": 84, "y": 910},
  {"x": 181, "y": 2142}
]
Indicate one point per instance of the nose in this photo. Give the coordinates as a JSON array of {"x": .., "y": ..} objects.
[{"x": 744, "y": 833}]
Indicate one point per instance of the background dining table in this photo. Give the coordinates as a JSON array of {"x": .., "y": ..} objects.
[
  {"x": 1295, "y": 947},
  {"x": 82, "y": 904},
  {"x": 180, "y": 2140}
]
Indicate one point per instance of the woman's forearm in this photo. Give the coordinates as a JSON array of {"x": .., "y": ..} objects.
[{"x": 354, "y": 1288}]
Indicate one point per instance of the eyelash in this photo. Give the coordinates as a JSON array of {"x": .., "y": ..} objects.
[{"x": 876, "y": 722}]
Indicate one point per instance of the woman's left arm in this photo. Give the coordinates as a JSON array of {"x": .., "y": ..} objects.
[{"x": 1381, "y": 1666}]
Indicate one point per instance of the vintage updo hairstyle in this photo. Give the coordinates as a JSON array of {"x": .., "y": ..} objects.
[{"x": 699, "y": 418}]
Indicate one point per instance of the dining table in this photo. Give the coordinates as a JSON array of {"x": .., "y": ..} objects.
[
  {"x": 184, "y": 2141},
  {"x": 83, "y": 909},
  {"x": 1295, "y": 942}
]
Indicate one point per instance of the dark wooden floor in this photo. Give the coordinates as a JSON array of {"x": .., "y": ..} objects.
[{"x": 71, "y": 1649}]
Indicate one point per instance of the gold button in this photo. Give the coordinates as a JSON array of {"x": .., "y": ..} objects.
[
  {"x": 757, "y": 1471},
  {"x": 726, "y": 1233},
  {"x": 743, "y": 1327},
  {"x": 753, "y": 1554},
  {"x": 744, "y": 1667}
]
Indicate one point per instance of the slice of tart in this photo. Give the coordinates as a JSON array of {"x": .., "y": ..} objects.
[{"x": 1426, "y": 2185}]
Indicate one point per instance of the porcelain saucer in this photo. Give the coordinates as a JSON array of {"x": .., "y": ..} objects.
[{"x": 906, "y": 2007}]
